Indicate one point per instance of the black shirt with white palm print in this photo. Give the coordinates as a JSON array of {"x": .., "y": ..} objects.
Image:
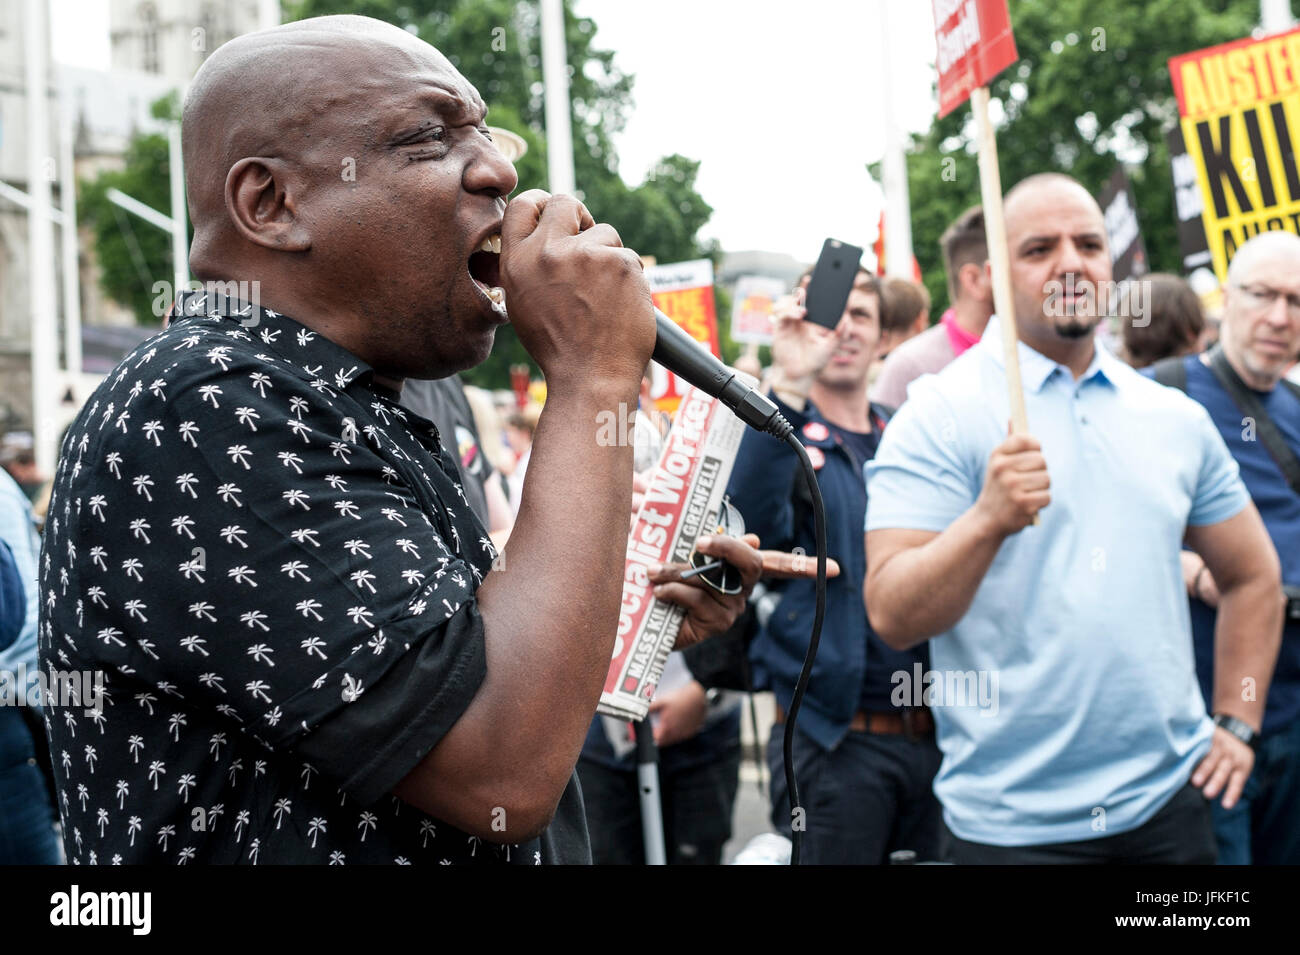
[{"x": 274, "y": 568}]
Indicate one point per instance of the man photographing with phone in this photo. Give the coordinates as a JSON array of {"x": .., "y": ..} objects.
[
  {"x": 310, "y": 652},
  {"x": 864, "y": 765}
]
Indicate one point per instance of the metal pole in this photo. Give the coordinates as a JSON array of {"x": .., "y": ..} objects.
[
  {"x": 71, "y": 264},
  {"x": 647, "y": 777},
  {"x": 180, "y": 241},
  {"x": 268, "y": 14},
  {"x": 40, "y": 243},
  {"x": 21, "y": 199},
  {"x": 898, "y": 212},
  {"x": 555, "y": 77},
  {"x": 137, "y": 208}
]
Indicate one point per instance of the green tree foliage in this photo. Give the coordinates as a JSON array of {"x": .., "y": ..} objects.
[
  {"x": 496, "y": 44},
  {"x": 1091, "y": 89},
  {"x": 133, "y": 254}
]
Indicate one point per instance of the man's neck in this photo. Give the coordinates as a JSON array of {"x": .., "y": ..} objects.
[
  {"x": 846, "y": 408},
  {"x": 321, "y": 317},
  {"x": 1075, "y": 354},
  {"x": 972, "y": 317},
  {"x": 392, "y": 384},
  {"x": 1248, "y": 377}
]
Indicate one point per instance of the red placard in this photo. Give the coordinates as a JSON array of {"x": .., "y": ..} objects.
[
  {"x": 684, "y": 292},
  {"x": 975, "y": 44}
]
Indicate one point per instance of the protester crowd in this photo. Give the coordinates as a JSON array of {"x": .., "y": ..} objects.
[{"x": 1077, "y": 644}]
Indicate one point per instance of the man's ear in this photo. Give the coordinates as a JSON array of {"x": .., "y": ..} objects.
[
  {"x": 887, "y": 343},
  {"x": 976, "y": 280},
  {"x": 262, "y": 200}
]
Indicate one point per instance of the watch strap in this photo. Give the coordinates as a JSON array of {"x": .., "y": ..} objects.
[{"x": 1238, "y": 728}]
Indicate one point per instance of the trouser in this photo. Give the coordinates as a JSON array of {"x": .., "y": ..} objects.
[
  {"x": 1263, "y": 828},
  {"x": 697, "y": 806},
  {"x": 869, "y": 796},
  {"x": 1180, "y": 833},
  {"x": 27, "y": 834}
]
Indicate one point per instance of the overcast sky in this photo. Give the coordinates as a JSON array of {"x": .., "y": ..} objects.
[{"x": 781, "y": 102}]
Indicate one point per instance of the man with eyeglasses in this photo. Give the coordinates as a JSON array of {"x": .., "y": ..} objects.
[{"x": 1260, "y": 338}]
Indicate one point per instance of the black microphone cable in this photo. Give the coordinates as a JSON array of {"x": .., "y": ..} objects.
[
  {"x": 777, "y": 426},
  {"x": 797, "y": 815},
  {"x": 772, "y": 422},
  {"x": 677, "y": 351}
]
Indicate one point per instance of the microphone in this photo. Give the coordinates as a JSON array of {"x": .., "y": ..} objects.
[{"x": 689, "y": 360}]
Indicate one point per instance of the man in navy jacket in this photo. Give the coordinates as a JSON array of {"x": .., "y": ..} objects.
[{"x": 864, "y": 754}]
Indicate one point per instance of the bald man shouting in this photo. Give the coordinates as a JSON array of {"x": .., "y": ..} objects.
[
  {"x": 309, "y": 650},
  {"x": 1064, "y": 687}
]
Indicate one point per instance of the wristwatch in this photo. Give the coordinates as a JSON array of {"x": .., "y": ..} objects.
[{"x": 1238, "y": 729}]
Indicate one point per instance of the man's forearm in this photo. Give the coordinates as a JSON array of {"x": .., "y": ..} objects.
[
  {"x": 1247, "y": 636},
  {"x": 550, "y": 615},
  {"x": 551, "y": 611},
  {"x": 922, "y": 591}
]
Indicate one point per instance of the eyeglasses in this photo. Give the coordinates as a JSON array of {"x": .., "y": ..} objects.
[{"x": 1262, "y": 297}]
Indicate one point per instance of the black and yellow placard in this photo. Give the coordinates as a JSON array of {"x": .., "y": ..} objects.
[{"x": 1240, "y": 113}]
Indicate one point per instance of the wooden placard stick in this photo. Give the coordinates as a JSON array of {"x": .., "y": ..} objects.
[{"x": 995, "y": 232}]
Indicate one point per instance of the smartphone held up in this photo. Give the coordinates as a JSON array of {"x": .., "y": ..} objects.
[{"x": 832, "y": 281}]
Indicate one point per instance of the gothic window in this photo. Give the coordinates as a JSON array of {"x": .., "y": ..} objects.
[{"x": 149, "y": 38}]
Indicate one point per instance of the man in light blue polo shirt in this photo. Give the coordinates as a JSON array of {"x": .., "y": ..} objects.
[{"x": 1095, "y": 744}]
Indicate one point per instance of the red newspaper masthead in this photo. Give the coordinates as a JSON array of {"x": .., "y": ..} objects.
[{"x": 974, "y": 43}]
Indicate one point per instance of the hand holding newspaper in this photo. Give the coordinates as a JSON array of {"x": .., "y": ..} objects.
[
  {"x": 681, "y": 504},
  {"x": 678, "y": 505}
]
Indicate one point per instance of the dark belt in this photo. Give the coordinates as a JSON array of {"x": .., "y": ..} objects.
[{"x": 914, "y": 723}]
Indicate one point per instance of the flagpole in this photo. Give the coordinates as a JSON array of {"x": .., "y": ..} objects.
[
  {"x": 555, "y": 79},
  {"x": 68, "y": 237},
  {"x": 179, "y": 220},
  {"x": 898, "y": 213},
  {"x": 40, "y": 243},
  {"x": 995, "y": 230}
]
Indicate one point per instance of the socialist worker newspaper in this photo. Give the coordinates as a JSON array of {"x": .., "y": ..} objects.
[{"x": 681, "y": 504}]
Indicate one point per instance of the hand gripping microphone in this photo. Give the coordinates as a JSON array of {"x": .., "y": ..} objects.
[{"x": 688, "y": 359}]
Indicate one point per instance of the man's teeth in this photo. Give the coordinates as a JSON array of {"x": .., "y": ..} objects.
[
  {"x": 498, "y": 295},
  {"x": 491, "y": 244}
]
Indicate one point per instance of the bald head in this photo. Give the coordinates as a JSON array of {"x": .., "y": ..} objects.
[
  {"x": 342, "y": 166},
  {"x": 1279, "y": 245},
  {"x": 1261, "y": 308},
  {"x": 301, "y": 93},
  {"x": 1033, "y": 189}
]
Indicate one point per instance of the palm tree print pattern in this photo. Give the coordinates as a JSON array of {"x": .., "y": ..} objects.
[{"x": 247, "y": 534}]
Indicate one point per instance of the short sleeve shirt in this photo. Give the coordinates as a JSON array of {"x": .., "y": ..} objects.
[
  {"x": 1069, "y": 686},
  {"x": 274, "y": 569}
]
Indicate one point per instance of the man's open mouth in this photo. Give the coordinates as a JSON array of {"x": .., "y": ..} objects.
[{"x": 485, "y": 270}]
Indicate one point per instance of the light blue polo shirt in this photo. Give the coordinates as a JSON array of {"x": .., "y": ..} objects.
[{"x": 1080, "y": 627}]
